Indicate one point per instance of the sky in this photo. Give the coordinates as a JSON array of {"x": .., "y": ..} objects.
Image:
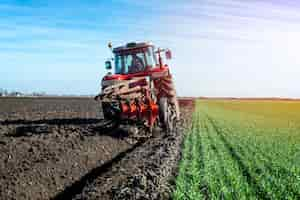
[{"x": 237, "y": 48}]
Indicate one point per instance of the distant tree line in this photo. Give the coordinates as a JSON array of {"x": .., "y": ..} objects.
[{"x": 4, "y": 93}]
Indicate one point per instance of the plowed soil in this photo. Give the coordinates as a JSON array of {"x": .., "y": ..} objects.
[{"x": 61, "y": 148}]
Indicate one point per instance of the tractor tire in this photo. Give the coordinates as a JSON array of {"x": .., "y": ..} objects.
[
  {"x": 109, "y": 113},
  {"x": 165, "y": 115}
]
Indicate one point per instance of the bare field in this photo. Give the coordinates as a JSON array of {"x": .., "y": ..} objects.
[{"x": 61, "y": 148}]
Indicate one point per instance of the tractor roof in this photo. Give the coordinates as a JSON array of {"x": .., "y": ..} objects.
[{"x": 132, "y": 45}]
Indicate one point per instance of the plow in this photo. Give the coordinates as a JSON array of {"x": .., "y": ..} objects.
[{"x": 140, "y": 90}]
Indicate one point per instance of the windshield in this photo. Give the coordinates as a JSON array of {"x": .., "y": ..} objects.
[{"x": 134, "y": 61}]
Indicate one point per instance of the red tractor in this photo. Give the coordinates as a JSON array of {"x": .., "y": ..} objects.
[{"x": 141, "y": 89}]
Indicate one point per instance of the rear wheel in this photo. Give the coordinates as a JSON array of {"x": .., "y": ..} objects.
[
  {"x": 110, "y": 111},
  {"x": 166, "y": 115}
]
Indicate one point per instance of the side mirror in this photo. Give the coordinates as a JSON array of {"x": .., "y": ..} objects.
[
  {"x": 168, "y": 54},
  {"x": 108, "y": 65}
]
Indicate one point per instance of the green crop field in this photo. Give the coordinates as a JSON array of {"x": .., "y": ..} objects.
[{"x": 241, "y": 150}]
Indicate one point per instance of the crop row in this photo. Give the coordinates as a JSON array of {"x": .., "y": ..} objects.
[{"x": 234, "y": 152}]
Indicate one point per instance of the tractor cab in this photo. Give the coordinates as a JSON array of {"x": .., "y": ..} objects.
[{"x": 134, "y": 58}]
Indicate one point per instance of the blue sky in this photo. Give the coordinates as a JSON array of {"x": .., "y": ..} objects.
[{"x": 220, "y": 48}]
